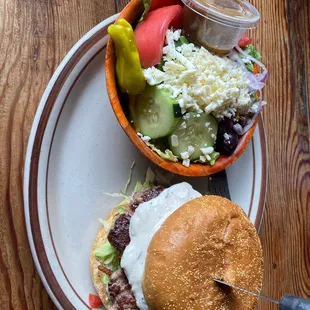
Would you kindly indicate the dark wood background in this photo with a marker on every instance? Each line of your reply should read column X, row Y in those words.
column 36, row 34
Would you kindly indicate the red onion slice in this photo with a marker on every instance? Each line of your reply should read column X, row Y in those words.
column 255, row 82
column 238, row 128
column 261, row 77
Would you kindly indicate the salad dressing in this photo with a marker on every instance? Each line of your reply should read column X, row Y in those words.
column 228, row 7
column 218, row 24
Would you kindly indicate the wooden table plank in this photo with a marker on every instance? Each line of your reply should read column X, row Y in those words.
column 285, row 230
column 36, row 35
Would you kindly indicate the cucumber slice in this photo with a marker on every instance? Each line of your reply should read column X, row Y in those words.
column 198, row 132
column 153, row 113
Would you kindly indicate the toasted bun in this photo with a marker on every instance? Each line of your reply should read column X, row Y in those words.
column 96, row 274
column 208, row 237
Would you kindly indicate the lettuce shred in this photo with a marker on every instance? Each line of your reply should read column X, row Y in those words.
column 249, row 65
column 148, row 183
column 147, row 5
column 129, row 177
column 116, row 195
column 214, row 155
column 105, row 225
column 167, row 154
column 105, row 279
column 120, row 210
column 252, row 51
column 107, row 255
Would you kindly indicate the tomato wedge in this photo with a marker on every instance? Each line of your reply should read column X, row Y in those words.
column 94, row 301
column 155, row 4
column 245, row 40
column 150, row 33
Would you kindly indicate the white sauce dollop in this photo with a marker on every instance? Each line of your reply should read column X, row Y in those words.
column 144, row 223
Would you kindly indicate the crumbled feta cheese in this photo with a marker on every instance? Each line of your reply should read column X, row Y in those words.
column 226, row 136
column 153, row 76
column 171, row 65
column 213, row 136
column 186, row 162
column 201, row 81
column 253, row 108
column 208, row 157
column 184, row 155
column 146, row 138
column 183, row 125
column 190, row 150
column 184, row 61
column 207, row 124
column 202, row 158
column 207, row 150
column 174, row 140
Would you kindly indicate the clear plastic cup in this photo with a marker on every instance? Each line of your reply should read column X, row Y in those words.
column 218, row 25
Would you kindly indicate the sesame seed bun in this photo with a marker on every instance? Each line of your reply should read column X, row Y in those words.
column 208, row 237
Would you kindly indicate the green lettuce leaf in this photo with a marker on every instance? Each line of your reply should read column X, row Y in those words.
column 252, row 51
column 254, row 97
column 181, row 41
column 138, row 187
column 148, row 183
column 105, row 279
column 249, row 65
column 120, row 210
column 167, row 154
column 105, row 225
column 214, row 155
column 129, row 178
column 147, row 5
column 107, row 255
column 160, row 65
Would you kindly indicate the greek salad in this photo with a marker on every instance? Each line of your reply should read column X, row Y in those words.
column 186, row 103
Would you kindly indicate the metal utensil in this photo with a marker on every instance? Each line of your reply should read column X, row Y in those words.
column 218, row 185
column 287, row 302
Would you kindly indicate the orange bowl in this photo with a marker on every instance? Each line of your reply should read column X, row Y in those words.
column 131, row 13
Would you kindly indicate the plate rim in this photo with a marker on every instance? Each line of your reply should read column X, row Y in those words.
column 35, row 144
column 36, row 137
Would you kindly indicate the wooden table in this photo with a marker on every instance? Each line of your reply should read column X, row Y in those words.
column 37, row 34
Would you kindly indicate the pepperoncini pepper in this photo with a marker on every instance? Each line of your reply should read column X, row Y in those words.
column 128, row 69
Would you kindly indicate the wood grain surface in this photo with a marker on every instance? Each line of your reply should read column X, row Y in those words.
column 36, row 34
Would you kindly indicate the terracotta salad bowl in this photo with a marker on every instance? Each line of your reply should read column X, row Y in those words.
column 120, row 104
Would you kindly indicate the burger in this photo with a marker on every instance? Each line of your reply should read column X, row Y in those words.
column 163, row 249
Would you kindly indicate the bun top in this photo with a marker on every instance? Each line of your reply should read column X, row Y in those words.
column 207, row 238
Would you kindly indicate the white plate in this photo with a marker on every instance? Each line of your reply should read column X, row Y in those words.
column 76, row 152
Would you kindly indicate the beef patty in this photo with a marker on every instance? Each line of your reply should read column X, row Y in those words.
column 118, row 287
column 119, row 234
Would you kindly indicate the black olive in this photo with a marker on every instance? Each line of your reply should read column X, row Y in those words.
column 226, row 123
column 242, row 121
column 227, row 141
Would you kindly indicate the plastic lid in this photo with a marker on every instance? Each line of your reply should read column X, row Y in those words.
column 234, row 13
